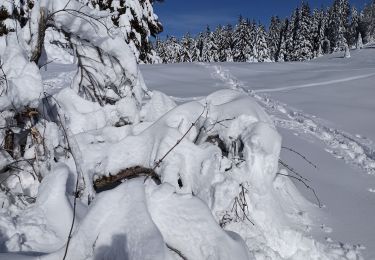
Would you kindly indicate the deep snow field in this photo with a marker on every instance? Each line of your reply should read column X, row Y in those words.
column 214, row 134
column 323, row 109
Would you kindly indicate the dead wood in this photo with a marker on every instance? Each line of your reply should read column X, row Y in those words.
column 107, row 182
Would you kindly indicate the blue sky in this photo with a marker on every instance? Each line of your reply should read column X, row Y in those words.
column 180, row 16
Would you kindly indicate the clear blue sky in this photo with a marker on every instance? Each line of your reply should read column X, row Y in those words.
column 180, row 16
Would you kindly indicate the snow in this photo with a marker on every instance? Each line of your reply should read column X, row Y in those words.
column 324, row 110
column 23, row 85
column 211, row 134
column 197, row 210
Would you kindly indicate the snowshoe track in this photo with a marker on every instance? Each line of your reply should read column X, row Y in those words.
column 354, row 150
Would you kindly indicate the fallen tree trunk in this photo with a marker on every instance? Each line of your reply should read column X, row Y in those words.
column 109, row 182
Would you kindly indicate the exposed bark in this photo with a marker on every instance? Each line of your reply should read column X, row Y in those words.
column 107, row 182
column 37, row 52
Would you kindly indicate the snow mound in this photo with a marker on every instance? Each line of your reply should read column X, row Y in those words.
column 220, row 197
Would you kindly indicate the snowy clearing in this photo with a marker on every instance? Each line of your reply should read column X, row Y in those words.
column 324, row 110
column 205, row 161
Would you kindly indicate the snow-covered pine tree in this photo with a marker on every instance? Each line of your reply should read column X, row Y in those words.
column 303, row 49
column 367, row 25
column 222, row 39
column 242, row 41
column 281, row 55
column 319, row 25
column 227, row 45
column 347, row 50
column 338, row 23
column 262, row 52
column 353, row 30
column 137, row 22
column 199, row 46
column 359, row 44
column 210, row 50
column 160, row 48
column 173, row 50
column 291, row 30
column 274, row 37
column 14, row 10
column 187, row 48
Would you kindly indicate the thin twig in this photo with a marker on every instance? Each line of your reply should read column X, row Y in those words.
column 304, row 183
column 73, row 220
column 301, row 155
column 292, row 170
column 157, row 164
column 178, row 252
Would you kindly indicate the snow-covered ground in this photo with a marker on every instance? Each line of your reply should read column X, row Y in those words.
column 325, row 110
column 220, row 190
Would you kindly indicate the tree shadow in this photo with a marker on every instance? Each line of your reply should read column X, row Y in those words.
column 117, row 250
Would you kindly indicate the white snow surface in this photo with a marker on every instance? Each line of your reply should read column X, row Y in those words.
column 323, row 109
column 217, row 155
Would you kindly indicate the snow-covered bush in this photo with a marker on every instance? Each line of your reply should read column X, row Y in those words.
column 214, row 191
column 107, row 74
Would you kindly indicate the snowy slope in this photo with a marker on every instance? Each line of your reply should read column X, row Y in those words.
column 324, row 109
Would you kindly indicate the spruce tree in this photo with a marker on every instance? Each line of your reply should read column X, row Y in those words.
column 262, row 52
column 367, row 24
column 187, row 48
column 210, row 50
column 303, row 49
column 291, row 35
column 242, row 43
column 274, row 38
column 359, row 44
column 338, row 23
column 137, row 22
column 319, row 25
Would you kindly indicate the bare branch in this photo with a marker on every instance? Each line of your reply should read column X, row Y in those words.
column 128, row 173
column 306, row 185
column 292, row 170
column 301, row 155
column 157, row 164
column 178, row 252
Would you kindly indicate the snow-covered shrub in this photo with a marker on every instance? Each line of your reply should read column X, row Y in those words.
column 33, row 120
column 218, row 194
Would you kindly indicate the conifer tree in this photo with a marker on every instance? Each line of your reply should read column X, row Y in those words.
column 359, row 44
column 274, row 38
column 291, row 35
column 367, row 24
column 187, row 48
column 137, row 22
column 303, row 49
column 338, row 23
column 261, row 47
column 210, row 50
column 242, row 43
column 319, row 26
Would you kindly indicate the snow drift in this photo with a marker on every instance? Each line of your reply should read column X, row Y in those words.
column 219, row 194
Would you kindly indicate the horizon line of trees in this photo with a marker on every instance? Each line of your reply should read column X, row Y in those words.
column 304, row 35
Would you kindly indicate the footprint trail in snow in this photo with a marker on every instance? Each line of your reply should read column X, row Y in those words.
column 353, row 149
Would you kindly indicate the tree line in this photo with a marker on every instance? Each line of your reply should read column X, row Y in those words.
column 304, row 35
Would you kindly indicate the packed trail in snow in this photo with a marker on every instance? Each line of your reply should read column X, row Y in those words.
column 355, row 150
column 324, row 112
